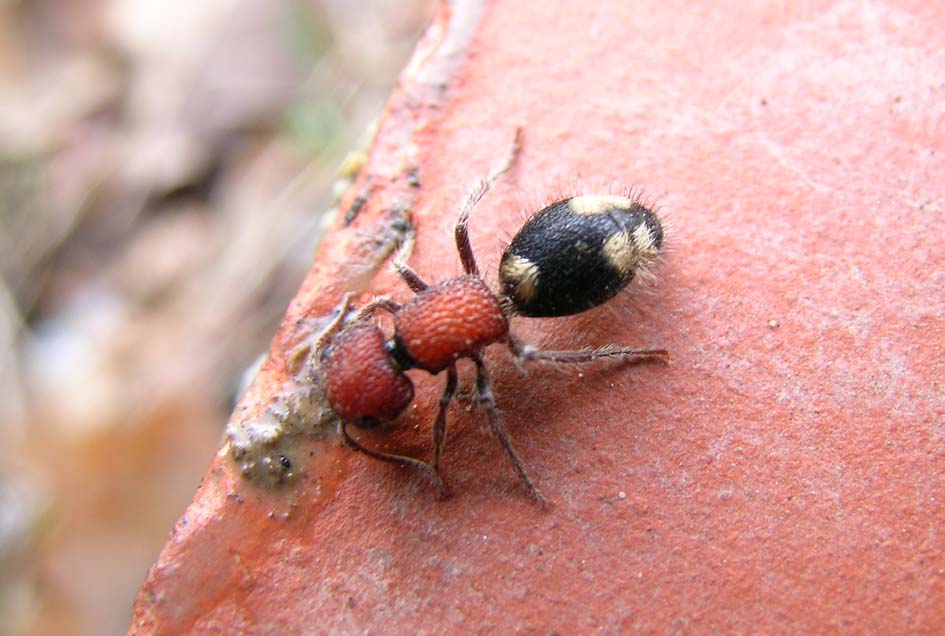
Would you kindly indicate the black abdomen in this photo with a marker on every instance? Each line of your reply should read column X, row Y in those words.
column 578, row 253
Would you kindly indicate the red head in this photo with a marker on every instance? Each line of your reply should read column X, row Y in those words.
column 361, row 378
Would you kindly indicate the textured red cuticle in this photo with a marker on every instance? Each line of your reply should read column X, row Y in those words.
column 361, row 379
column 451, row 319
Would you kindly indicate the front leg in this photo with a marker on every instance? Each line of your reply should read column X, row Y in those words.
column 316, row 342
column 400, row 460
column 380, row 303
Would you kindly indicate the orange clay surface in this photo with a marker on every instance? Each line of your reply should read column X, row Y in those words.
column 786, row 472
column 450, row 319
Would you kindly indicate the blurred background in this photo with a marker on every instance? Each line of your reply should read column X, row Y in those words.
column 165, row 169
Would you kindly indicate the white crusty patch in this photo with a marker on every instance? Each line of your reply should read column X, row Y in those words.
column 262, row 445
column 591, row 204
column 523, row 275
column 259, row 444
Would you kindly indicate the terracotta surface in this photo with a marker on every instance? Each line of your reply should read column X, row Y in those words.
column 786, row 474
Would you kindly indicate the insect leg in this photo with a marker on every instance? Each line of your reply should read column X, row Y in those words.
column 461, row 232
column 439, row 427
column 486, row 398
column 400, row 460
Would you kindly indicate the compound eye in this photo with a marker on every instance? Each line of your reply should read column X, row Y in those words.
column 362, row 381
column 367, row 422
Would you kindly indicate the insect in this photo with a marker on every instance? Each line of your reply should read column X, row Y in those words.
column 571, row 256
